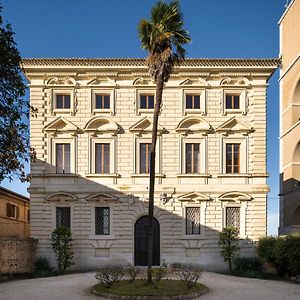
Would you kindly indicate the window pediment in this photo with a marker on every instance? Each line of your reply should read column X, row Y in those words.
column 234, row 125
column 61, row 196
column 145, row 126
column 235, row 196
column 100, row 124
column 194, row 82
column 193, row 125
column 101, row 197
column 69, row 81
column 194, row 196
column 61, row 125
column 235, row 81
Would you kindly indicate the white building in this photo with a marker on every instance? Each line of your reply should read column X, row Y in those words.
column 92, row 138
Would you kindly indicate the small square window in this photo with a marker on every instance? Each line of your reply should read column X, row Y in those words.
column 63, row 101
column 63, row 217
column 12, row 211
column 102, row 101
column 102, row 221
column 232, row 158
column 232, row 101
column 192, row 101
column 233, row 217
column 146, row 101
column 192, row 220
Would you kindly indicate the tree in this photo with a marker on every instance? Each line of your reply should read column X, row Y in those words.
column 163, row 37
column 229, row 242
column 14, row 110
column 62, row 247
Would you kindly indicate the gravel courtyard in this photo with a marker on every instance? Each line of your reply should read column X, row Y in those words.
column 76, row 286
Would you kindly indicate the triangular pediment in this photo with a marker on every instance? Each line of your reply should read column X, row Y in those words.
column 100, row 124
column 195, row 82
column 145, row 125
column 193, row 197
column 101, row 197
column 234, row 125
column 193, row 124
column 235, row 196
column 61, row 125
column 94, row 81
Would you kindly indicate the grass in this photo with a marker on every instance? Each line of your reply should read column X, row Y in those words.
column 141, row 288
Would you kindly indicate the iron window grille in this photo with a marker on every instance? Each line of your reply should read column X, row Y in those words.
column 63, row 217
column 102, row 221
column 192, row 220
column 233, row 217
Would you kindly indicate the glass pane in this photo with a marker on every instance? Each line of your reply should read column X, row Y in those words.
column 236, row 102
column 59, row 101
column 59, row 158
column 106, row 101
column 102, row 221
column 189, row 101
column 63, row 217
column 98, row 158
column 67, row 102
column 143, row 101
column 228, row 102
column 196, row 159
column 106, row 158
column 67, row 158
column 102, row 158
column 144, row 158
column 188, row 158
column 196, row 101
column 150, row 101
column 98, row 102
column 228, row 158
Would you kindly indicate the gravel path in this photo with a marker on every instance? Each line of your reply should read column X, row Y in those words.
column 76, row 286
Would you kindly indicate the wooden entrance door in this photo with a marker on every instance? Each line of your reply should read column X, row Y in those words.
column 141, row 243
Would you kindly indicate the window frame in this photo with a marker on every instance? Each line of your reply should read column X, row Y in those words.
column 138, row 94
column 186, row 209
column 194, row 91
column 16, row 211
column 63, row 154
column 109, row 217
column 242, row 101
column 53, row 213
column 232, row 166
column 57, row 92
column 102, row 91
column 60, row 207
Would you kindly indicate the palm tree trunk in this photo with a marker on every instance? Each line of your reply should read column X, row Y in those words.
column 158, row 99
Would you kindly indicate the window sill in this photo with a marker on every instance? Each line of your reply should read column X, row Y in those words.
column 147, row 175
column 233, row 111
column 193, row 237
column 113, row 175
column 234, row 175
column 145, row 110
column 203, row 175
column 101, row 237
column 102, row 111
column 193, row 111
column 62, row 110
column 61, row 174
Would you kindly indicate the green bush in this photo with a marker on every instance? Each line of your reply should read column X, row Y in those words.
column 158, row 274
column 187, row 273
column 62, row 247
column 132, row 272
column 247, row 267
column 41, row 267
column 265, row 248
column 107, row 275
column 229, row 242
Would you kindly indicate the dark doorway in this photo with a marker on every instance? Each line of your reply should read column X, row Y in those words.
column 141, row 244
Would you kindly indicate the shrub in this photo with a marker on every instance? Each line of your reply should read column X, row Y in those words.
column 292, row 247
column 187, row 273
column 266, row 247
column 62, row 247
column 42, row 267
column 158, row 274
column 132, row 273
column 228, row 240
column 247, row 267
column 107, row 275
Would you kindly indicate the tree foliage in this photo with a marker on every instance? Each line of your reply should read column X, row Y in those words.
column 14, row 110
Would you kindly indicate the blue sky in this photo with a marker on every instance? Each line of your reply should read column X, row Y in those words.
column 98, row 28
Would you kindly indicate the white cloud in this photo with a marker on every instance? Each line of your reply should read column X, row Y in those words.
column 273, row 223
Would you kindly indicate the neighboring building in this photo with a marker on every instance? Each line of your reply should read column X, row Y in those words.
column 92, row 137
column 14, row 215
column 290, row 119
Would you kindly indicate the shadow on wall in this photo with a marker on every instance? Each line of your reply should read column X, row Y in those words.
column 108, row 225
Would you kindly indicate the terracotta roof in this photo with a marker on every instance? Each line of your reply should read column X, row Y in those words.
column 140, row 62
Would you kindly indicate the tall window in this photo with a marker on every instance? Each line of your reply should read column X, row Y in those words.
column 102, row 101
column 63, row 101
column 192, row 220
column 146, row 101
column 102, row 157
column 232, row 101
column 192, row 158
column 102, row 220
column 63, row 158
column 233, row 217
column 145, row 149
column 12, row 211
column 192, row 101
column 63, row 217
column 232, row 158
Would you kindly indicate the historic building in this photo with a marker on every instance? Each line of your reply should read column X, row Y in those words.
column 92, row 138
column 290, row 119
column 14, row 215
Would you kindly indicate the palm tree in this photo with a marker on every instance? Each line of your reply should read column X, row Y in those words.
column 163, row 37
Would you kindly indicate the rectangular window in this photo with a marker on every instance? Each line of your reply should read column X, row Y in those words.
column 63, row 217
column 192, row 101
column 102, row 158
column 63, row 101
column 63, row 158
column 102, row 101
column 232, row 158
column 192, row 219
column 232, row 101
column 146, row 101
column 233, row 217
column 102, row 220
column 192, row 158
column 145, row 158
column 12, row 211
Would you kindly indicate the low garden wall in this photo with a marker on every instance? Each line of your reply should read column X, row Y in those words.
column 17, row 255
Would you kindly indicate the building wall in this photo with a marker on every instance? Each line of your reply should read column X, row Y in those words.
column 290, row 116
column 125, row 191
column 14, row 226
